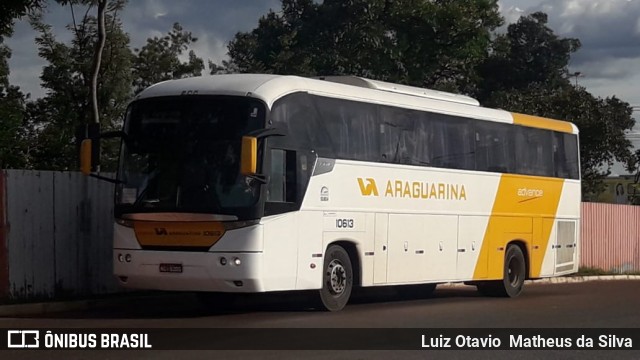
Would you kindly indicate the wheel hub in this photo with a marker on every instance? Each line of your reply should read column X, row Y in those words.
column 513, row 273
column 337, row 277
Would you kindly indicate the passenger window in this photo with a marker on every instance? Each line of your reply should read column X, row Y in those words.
column 452, row 143
column 397, row 136
column 534, row 152
column 493, row 147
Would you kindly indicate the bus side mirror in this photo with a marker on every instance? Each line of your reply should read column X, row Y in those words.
column 85, row 156
column 88, row 139
column 249, row 156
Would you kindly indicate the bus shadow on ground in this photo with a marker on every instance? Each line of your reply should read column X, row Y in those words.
column 190, row 305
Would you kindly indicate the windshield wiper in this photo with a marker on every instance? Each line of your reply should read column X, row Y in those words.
column 154, row 174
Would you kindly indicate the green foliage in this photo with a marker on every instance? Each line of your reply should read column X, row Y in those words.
column 425, row 43
column 595, row 271
column 41, row 134
column 12, row 151
column 159, row 59
column 537, row 82
column 591, row 271
column 14, row 9
column 12, row 144
column 66, row 77
column 532, row 53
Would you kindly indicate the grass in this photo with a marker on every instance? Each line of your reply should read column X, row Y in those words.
column 592, row 271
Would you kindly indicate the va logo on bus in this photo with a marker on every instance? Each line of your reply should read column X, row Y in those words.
column 369, row 189
column 161, row 231
column 414, row 189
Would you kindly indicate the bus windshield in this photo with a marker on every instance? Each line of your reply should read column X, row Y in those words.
column 182, row 153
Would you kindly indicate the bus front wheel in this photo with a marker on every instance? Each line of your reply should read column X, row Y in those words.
column 513, row 276
column 337, row 279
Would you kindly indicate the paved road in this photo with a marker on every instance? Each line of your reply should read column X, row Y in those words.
column 614, row 304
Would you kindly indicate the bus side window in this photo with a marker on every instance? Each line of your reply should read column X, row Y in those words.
column 282, row 176
column 560, row 168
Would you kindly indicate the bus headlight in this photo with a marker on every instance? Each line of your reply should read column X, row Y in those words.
column 124, row 222
column 120, row 258
column 236, row 261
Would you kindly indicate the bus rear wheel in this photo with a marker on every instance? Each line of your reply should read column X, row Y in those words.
column 337, row 279
column 513, row 278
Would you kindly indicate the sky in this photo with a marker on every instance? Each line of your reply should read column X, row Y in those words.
column 609, row 30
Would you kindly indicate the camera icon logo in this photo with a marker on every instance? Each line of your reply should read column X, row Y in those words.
column 21, row 339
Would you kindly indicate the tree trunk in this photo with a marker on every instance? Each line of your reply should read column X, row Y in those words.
column 97, row 59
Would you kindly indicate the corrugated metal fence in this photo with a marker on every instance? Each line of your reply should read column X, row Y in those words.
column 610, row 237
column 56, row 235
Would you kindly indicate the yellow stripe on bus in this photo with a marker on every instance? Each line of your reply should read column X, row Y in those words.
column 542, row 123
column 178, row 233
column 524, row 210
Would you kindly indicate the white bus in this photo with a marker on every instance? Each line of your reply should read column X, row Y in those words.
column 261, row 183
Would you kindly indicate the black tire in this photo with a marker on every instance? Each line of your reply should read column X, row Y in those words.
column 337, row 279
column 416, row 291
column 514, row 274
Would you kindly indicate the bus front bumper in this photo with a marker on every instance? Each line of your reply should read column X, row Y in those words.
column 188, row 271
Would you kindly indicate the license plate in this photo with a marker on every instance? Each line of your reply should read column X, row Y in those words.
column 171, row 268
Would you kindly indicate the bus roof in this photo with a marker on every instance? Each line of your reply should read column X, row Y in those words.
column 270, row 88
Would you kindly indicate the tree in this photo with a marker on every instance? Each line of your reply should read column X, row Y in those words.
column 159, row 59
column 68, row 77
column 13, row 147
column 529, row 53
column 88, row 80
column 14, row 9
column 97, row 60
column 425, row 43
column 527, row 72
column 12, row 101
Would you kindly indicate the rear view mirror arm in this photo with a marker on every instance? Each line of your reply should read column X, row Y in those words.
column 263, row 133
column 107, row 179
